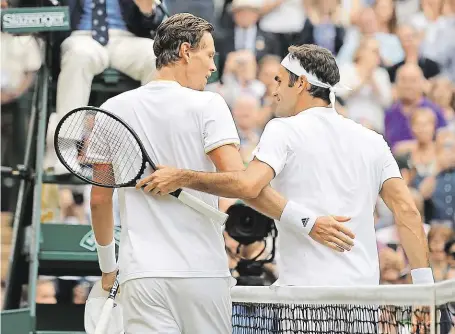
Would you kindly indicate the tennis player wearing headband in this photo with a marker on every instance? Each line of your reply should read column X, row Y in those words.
column 325, row 163
column 173, row 268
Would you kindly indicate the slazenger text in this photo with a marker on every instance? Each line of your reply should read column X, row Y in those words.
column 33, row 20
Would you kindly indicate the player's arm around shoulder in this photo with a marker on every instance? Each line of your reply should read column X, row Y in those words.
column 234, row 180
column 399, row 200
column 252, row 185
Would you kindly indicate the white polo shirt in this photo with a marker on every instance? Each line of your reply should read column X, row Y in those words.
column 161, row 237
column 332, row 166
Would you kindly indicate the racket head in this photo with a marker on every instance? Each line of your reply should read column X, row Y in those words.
column 100, row 148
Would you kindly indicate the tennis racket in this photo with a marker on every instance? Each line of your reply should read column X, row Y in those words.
column 100, row 148
column 103, row 321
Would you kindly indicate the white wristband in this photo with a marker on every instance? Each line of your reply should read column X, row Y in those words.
column 106, row 257
column 298, row 217
column 422, row 276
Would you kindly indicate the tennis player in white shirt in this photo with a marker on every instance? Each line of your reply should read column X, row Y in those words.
column 326, row 163
column 173, row 269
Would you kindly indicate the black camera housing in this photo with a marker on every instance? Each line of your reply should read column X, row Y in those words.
column 246, row 225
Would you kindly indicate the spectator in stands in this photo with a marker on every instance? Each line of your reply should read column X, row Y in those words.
column 450, row 253
column 386, row 15
column 45, row 292
column 200, row 8
column 323, row 26
column 442, row 52
column 80, row 292
column 387, row 24
column 406, row 9
column 239, row 77
column 389, row 44
column 428, row 15
column 245, row 33
column 410, row 41
column 442, row 92
column 410, row 91
column 438, row 236
column 391, row 266
column 438, row 188
column 72, row 211
column 283, row 18
column 105, row 33
column 245, row 112
column 371, row 91
column 423, row 151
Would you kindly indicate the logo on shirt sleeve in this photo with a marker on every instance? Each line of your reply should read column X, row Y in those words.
column 305, row 221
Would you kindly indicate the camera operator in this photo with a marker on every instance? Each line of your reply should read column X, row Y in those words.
column 255, row 250
column 250, row 246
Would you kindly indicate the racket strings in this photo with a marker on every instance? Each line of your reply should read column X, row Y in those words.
column 97, row 147
column 106, row 150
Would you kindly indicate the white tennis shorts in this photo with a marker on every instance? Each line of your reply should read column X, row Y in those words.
column 177, row 305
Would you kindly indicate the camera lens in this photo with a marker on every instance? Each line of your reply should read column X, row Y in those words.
column 246, row 225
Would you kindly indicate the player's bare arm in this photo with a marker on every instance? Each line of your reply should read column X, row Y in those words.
column 399, row 200
column 250, row 184
column 103, row 227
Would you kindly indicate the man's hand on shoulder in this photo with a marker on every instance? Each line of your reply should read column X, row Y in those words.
column 163, row 181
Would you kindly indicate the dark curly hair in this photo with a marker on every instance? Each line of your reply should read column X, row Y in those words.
column 321, row 63
column 174, row 31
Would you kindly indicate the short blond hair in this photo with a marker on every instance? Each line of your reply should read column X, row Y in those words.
column 423, row 112
column 441, row 230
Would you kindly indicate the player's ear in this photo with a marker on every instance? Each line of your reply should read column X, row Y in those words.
column 184, row 51
column 301, row 83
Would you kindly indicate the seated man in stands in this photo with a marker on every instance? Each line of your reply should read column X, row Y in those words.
column 244, row 33
column 410, row 90
column 410, row 41
column 105, row 33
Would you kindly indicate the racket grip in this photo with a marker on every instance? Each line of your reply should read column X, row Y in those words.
column 202, row 207
column 101, row 326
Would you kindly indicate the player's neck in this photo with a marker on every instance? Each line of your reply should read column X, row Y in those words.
column 304, row 104
column 171, row 74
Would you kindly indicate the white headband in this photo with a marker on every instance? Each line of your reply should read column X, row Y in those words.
column 293, row 65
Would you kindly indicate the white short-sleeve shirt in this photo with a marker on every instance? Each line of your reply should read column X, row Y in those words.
column 161, row 237
column 332, row 166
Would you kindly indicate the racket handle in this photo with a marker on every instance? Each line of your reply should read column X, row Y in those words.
column 202, row 207
column 101, row 326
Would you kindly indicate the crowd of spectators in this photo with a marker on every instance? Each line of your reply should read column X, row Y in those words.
column 397, row 56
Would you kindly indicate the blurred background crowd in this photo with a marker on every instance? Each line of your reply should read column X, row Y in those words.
column 397, row 56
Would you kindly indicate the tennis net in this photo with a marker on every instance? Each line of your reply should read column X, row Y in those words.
column 390, row 309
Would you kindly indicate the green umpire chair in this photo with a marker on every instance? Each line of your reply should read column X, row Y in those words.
column 38, row 248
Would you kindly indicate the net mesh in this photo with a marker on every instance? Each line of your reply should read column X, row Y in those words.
column 381, row 310
column 97, row 147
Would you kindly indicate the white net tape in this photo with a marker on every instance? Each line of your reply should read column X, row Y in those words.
column 383, row 309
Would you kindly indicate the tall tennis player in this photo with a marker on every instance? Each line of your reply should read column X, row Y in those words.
column 173, row 269
column 326, row 163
